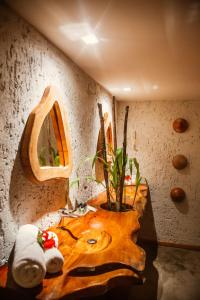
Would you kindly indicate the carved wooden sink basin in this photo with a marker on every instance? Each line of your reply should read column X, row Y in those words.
column 99, row 240
column 99, row 250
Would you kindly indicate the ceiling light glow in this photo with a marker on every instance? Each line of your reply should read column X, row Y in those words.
column 90, row 39
column 127, row 89
column 74, row 31
column 155, row 87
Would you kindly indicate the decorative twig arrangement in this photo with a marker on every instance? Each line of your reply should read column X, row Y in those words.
column 124, row 157
column 114, row 170
column 117, row 193
column 114, row 125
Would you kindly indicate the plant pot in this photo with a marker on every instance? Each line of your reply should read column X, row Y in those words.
column 124, row 208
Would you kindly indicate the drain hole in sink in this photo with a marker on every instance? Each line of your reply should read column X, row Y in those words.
column 91, row 241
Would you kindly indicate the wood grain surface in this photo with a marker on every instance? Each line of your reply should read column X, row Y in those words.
column 112, row 260
column 29, row 155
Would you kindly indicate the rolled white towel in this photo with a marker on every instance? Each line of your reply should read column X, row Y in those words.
column 53, row 257
column 53, row 260
column 28, row 268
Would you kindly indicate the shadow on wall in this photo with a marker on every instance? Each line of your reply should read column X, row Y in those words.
column 183, row 206
column 28, row 201
column 149, row 290
column 148, row 228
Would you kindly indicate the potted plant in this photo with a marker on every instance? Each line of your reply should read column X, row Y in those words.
column 115, row 170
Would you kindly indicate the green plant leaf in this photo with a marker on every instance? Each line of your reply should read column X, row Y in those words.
column 76, row 181
column 138, row 178
column 136, row 165
column 42, row 160
column 53, row 151
column 104, row 162
column 131, row 166
column 94, row 160
column 113, row 177
column 90, row 178
column 57, row 161
column 119, row 158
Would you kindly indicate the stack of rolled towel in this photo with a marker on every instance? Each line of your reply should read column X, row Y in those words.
column 35, row 253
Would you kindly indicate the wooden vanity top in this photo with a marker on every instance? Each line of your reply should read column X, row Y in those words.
column 99, row 250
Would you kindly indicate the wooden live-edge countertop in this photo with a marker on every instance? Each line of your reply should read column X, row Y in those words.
column 91, row 269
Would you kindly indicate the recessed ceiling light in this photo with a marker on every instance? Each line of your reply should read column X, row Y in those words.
column 90, row 39
column 127, row 89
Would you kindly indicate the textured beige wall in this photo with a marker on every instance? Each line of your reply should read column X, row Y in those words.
column 156, row 144
column 28, row 63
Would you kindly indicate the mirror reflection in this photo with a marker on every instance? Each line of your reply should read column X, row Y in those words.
column 49, row 147
column 99, row 172
column 109, row 140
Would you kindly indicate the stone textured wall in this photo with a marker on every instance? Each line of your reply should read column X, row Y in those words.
column 29, row 63
column 155, row 145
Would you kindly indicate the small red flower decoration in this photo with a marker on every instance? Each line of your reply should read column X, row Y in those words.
column 47, row 240
column 45, row 234
column 49, row 244
column 127, row 177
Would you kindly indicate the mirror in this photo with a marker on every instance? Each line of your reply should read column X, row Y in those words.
column 45, row 151
column 49, row 147
column 109, row 145
column 109, row 140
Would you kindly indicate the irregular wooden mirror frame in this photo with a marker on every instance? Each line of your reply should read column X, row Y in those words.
column 29, row 156
column 109, row 144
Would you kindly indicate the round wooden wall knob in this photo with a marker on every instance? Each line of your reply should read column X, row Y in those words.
column 180, row 125
column 179, row 162
column 177, row 194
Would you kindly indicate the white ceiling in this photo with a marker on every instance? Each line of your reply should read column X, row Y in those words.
column 153, row 47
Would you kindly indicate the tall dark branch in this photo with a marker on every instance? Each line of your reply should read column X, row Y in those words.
column 124, row 155
column 115, row 149
column 114, row 125
column 104, row 154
